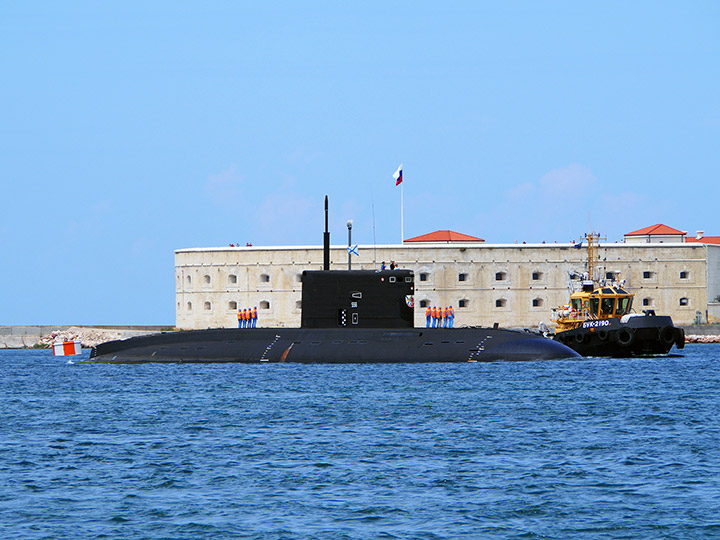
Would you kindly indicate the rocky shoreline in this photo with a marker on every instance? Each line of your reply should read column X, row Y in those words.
column 699, row 338
column 40, row 337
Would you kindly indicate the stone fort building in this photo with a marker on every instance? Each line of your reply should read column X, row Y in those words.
column 514, row 285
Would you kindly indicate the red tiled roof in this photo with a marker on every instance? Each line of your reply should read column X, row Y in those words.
column 658, row 229
column 705, row 240
column 444, row 236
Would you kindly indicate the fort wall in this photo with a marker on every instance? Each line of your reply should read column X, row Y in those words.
column 514, row 285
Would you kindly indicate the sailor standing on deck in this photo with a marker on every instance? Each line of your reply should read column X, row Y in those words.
column 254, row 317
column 445, row 317
column 428, row 312
column 451, row 316
column 240, row 319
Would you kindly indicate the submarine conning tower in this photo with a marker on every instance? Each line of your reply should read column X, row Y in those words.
column 358, row 299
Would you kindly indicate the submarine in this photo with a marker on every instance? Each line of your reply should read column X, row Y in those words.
column 348, row 316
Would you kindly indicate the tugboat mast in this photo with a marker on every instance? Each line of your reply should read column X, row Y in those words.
column 592, row 240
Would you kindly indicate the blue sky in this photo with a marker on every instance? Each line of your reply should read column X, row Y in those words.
column 131, row 129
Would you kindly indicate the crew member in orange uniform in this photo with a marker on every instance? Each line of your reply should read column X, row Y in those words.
column 428, row 312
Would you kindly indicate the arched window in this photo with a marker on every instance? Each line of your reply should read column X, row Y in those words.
column 206, row 279
column 684, row 301
column 423, row 276
column 684, row 274
column 423, row 303
column 207, row 306
column 647, row 302
column 463, row 303
column 189, row 280
column 500, row 276
column 462, row 277
column 537, row 275
column 232, row 305
column 264, row 304
column 264, row 278
column 298, row 304
column 189, row 306
column 537, row 302
column 500, row 302
column 232, row 279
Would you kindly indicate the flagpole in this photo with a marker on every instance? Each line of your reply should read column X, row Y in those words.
column 402, row 192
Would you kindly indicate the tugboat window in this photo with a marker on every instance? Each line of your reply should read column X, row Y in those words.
column 623, row 305
column 608, row 304
column 594, row 306
column 684, row 301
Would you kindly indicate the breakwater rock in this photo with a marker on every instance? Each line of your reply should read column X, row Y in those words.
column 701, row 338
column 22, row 337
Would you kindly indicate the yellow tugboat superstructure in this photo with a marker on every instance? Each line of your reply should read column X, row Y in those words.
column 592, row 298
column 598, row 320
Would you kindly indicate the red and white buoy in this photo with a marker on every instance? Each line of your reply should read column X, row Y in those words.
column 66, row 348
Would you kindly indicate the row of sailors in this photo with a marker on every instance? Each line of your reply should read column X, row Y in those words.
column 440, row 317
column 247, row 318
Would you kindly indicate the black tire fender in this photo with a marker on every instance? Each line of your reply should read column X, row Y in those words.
column 667, row 335
column 625, row 336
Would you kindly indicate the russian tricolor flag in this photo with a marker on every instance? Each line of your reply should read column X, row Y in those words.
column 398, row 175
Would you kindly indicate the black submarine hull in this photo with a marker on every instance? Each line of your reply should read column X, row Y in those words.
column 332, row 345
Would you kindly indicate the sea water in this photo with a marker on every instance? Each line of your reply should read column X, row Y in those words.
column 592, row 448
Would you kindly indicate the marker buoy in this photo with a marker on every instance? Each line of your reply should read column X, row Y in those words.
column 66, row 348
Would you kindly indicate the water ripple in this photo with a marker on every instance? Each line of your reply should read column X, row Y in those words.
column 602, row 448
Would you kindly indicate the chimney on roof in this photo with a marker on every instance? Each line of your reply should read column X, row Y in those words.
column 700, row 234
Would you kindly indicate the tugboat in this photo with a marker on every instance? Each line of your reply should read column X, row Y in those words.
column 599, row 320
column 348, row 316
